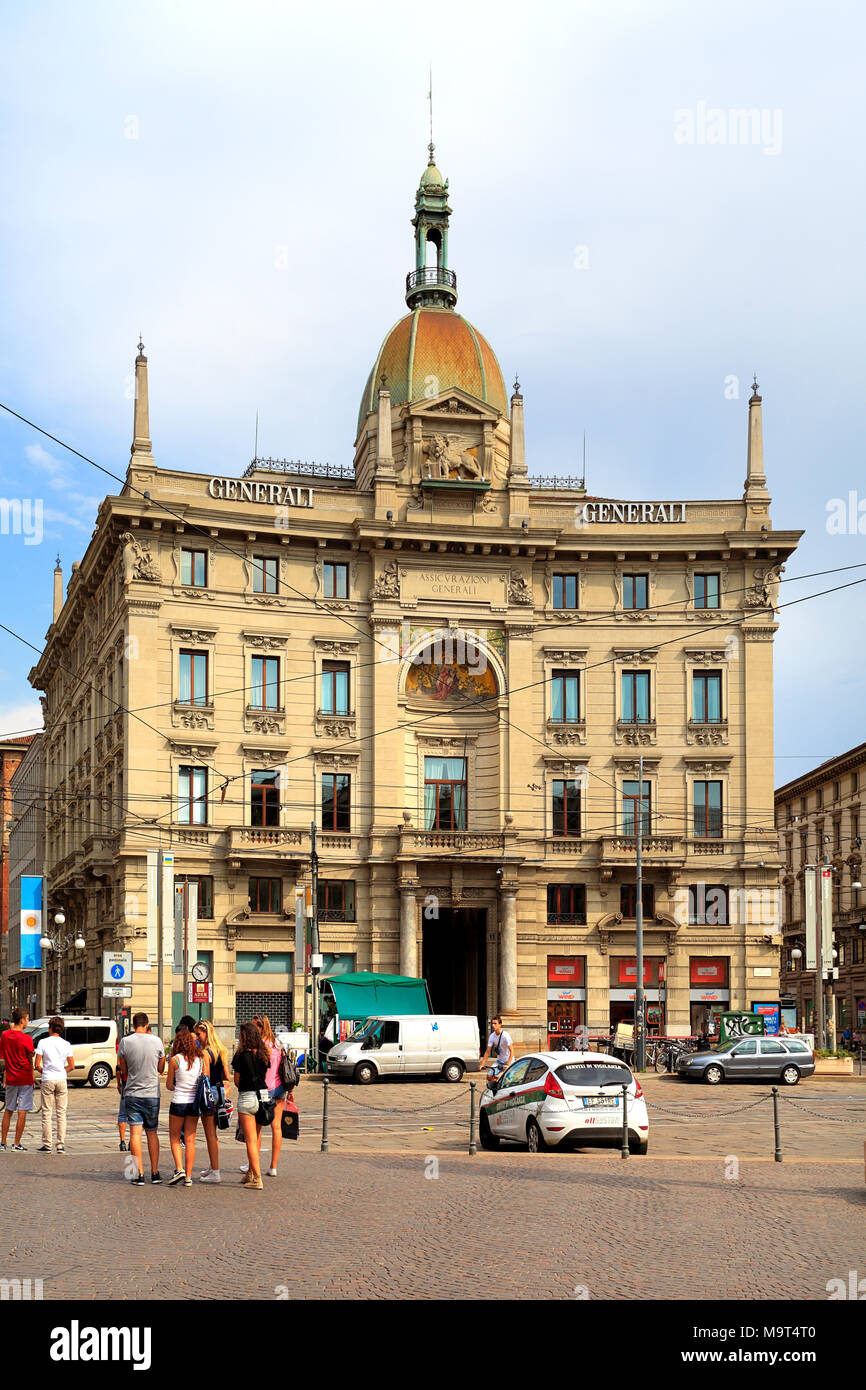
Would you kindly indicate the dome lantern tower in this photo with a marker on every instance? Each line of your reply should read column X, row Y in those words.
column 431, row 285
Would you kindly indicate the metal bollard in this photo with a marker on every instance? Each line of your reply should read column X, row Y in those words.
column 861, row 1060
column 473, row 1147
column 324, row 1148
column 778, row 1153
column 624, row 1150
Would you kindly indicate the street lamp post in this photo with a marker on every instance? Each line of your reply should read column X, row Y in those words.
column 60, row 944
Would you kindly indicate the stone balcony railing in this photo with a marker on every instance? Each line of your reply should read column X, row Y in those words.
column 451, row 842
column 655, row 849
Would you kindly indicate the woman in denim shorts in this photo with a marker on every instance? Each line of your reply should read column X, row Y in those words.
column 250, row 1066
column 185, row 1067
column 276, row 1091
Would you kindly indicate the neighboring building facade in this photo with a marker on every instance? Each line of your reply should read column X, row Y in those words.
column 819, row 822
column 450, row 667
column 26, row 857
column 12, row 750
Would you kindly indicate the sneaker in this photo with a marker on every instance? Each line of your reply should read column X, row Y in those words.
column 44, row 1149
column 244, row 1168
column 272, row 1172
column 3, row 1148
column 122, row 1146
column 176, row 1177
column 246, row 1180
column 187, row 1182
column 19, row 1149
column 212, row 1175
column 61, row 1148
column 137, row 1182
column 254, row 1185
column 155, row 1178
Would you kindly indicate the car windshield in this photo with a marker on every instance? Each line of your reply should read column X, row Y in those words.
column 36, row 1033
column 727, row 1046
column 364, row 1030
column 593, row 1073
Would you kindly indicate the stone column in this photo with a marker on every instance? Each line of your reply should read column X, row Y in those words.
column 408, row 931
column 508, row 949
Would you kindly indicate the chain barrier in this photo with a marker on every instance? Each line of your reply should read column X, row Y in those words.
column 387, row 1110
column 703, row 1115
column 836, row 1119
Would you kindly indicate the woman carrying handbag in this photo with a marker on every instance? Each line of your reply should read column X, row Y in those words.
column 250, row 1066
column 219, row 1083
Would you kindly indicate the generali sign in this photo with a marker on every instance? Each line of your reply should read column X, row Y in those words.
column 245, row 490
column 635, row 512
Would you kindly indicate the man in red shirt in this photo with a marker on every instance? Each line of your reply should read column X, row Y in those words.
column 16, row 1056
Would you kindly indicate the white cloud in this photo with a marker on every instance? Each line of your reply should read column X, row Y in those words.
column 59, row 474
column 20, row 717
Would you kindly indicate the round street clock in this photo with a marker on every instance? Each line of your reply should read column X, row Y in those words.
column 200, row 972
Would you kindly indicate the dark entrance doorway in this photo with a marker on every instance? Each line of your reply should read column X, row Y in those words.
column 454, row 962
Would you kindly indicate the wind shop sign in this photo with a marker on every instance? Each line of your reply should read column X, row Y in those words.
column 274, row 494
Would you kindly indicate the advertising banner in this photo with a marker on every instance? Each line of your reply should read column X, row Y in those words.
column 811, row 918
column 708, row 972
column 770, row 1013
column 827, row 919
column 565, row 970
column 31, row 922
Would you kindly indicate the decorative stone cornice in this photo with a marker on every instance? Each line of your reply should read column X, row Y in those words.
column 328, row 647
column 265, row 641
column 193, row 634
column 564, row 656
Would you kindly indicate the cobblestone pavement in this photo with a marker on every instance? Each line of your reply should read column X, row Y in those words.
column 367, row 1226
column 821, row 1120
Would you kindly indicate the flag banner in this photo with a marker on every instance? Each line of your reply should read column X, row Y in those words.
column 31, row 922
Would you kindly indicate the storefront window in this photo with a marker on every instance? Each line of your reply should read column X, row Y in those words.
column 566, row 998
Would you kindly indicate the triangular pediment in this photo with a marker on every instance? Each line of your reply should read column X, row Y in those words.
column 450, row 405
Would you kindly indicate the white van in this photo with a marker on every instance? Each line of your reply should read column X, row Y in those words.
column 443, row 1045
column 94, row 1046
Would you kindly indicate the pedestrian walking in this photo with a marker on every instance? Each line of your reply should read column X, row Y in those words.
column 54, row 1061
column 499, row 1046
column 277, row 1092
column 16, row 1055
column 250, row 1066
column 186, row 1066
column 218, row 1075
column 141, row 1062
column 122, row 1117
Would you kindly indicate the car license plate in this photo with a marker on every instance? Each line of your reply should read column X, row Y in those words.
column 600, row 1102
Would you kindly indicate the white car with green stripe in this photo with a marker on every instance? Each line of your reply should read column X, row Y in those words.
column 552, row 1100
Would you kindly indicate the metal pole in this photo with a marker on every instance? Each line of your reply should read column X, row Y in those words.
column 819, row 972
column 639, row 1006
column 160, row 969
column 778, row 1154
column 624, row 1149
column 324, row 1148
column 314, row 945
column 473, row 1147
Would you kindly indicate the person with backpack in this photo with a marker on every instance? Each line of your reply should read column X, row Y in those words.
column 218, row 1076
column 277, row 1089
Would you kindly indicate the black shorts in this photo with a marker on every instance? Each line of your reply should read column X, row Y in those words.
column 187, row 1110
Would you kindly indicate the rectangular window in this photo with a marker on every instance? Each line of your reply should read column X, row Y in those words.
column 707, row 697
column 192, row 678
column 444, row 793
column 565, row 697
column 266, row 894
column 820, row 800
column 707, row 589
column 335, row 687
column 265, row 691
column 855, row 781
column 264, row 798
column 634, row 590
column 565, row 591
column 265, row 579
column 631, row 793
column 835, row 791
column 336, row 804
column 193, row 568
column 205, row 892
column 708, row 810
column 566, row 903
column 192, row 796
column 336, row 580
column 336, row 901
column 636, row 697
column 837, row 834
column 628, row 900
column 708, row 905
column 566, row 807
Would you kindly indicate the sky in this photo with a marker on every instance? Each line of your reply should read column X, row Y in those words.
column 235, row 182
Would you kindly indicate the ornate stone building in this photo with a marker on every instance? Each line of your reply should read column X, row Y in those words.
column 451, row 667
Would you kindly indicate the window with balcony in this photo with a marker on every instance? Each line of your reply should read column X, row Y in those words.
column 632, row 794
column 707, row 804
column 335, row 687
column 565, row 697
column 566, row 807
column 336, row 801
column 635, row 589
column 265, row 688
column 636, row 697
column 335, row 580
column 265, row 575
column 565, row 591
column 192, row 796
column 266, row 894
column 708, row 905
column 264, row 798
column 707, row 697
column 707, row 590
column 193, row 568
column 336, row 900
column 444, row 793
column 566, row 903
column 628, row 900
column 192, row 678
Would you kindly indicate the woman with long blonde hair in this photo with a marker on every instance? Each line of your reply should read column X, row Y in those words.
column 211, row 1044
column 277, row 1092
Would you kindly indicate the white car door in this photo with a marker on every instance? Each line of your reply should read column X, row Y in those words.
column 509, row 1120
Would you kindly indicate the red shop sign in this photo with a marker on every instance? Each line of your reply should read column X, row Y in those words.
column 652, row 970
column 708, row 972
column 565, row 970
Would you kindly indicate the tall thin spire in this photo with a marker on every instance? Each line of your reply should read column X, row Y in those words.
column 141, row 445
column 431, row 147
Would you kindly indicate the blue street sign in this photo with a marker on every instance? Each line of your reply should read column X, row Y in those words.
column 117, row 972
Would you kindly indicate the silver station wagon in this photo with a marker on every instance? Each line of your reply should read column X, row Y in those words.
column 750, row 1059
